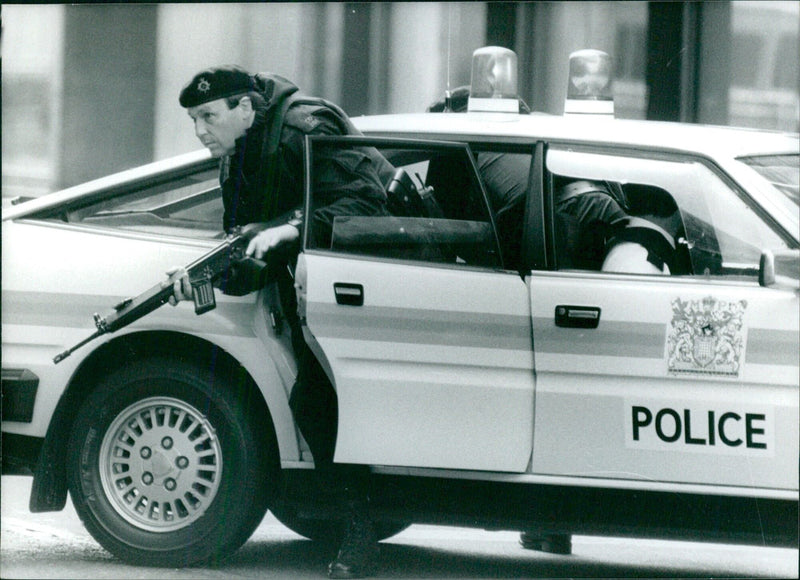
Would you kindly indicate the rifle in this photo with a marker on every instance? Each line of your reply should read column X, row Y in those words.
column 226, row 263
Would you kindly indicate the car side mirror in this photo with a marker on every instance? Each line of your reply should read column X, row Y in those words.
column 780, row 269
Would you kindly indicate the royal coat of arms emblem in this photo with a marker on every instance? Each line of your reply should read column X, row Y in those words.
column 705, row 336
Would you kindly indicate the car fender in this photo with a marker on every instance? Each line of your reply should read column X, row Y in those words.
column 269, row 375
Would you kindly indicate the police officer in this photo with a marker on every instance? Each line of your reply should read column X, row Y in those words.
column 255, row 125
column 647, row 244
column 505, row 176
column 588, row 214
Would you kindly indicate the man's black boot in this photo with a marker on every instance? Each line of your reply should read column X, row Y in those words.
column 359, row 550
column 550, row 543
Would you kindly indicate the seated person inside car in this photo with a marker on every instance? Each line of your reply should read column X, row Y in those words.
column 647, row 244
column 505, row 176
column 588, row 214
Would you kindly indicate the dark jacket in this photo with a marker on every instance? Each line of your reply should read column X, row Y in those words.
column 257, row 187
column 588, row 215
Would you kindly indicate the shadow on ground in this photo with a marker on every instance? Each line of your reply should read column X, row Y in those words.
column 298, row 558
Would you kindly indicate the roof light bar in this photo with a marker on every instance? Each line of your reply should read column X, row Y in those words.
column 589, row 86
column 494, row 81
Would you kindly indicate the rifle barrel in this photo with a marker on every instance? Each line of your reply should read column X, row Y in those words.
column 59, row 357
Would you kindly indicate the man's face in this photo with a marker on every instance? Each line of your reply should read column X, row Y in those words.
column 218, row 127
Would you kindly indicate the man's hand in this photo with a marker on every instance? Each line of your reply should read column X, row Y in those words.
column 271, row 238
column 181, row 287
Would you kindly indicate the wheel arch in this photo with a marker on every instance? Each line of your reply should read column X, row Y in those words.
column 49, row 489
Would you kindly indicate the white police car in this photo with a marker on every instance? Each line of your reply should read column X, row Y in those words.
column 488, row 378
column 639, row 401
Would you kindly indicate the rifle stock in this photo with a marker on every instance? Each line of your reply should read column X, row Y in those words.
column 202, row 272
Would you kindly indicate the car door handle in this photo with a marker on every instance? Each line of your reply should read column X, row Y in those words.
column 349, row 294
column 577, row 316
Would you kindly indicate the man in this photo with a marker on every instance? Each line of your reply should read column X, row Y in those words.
column 255, row 125
column 647, row 244
column 588, row 214
column 505, row 176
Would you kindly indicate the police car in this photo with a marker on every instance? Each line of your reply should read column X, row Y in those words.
column 487, row 378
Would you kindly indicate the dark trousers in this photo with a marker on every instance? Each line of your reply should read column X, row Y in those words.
column 315, row 408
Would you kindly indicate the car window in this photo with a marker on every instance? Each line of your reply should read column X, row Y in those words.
column 186, row 204
column 436, row 208
column 782, row 171
column 506, row 178
column 717, row 233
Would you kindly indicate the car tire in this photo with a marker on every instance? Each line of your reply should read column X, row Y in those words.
column 168, row 464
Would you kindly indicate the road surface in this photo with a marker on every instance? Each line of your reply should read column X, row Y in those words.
column 55, row 545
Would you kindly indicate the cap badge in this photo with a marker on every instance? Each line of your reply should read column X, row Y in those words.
column 203, row 86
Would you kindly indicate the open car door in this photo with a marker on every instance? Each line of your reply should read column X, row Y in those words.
column 426, row 338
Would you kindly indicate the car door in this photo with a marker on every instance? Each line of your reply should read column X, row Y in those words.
column 426, row 338
column 691, row 377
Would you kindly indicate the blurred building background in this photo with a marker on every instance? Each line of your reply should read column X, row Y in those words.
column 88, row 89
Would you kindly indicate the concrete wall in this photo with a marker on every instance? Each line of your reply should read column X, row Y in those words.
column 90, row 89
column 429, row 42
column 33, row 52
column 265, row 37
column 109, row 90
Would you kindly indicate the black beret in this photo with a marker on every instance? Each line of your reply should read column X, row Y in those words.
column 216, row 83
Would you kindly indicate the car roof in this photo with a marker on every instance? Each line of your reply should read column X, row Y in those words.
column 710, row 141
column 720, row 143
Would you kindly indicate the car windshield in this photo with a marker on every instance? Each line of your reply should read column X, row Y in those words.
column 782, row 171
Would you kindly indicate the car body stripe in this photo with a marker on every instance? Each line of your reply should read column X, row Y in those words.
column 400, row 325
column 772, row 347
column 51, row 309
column 622, row 339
